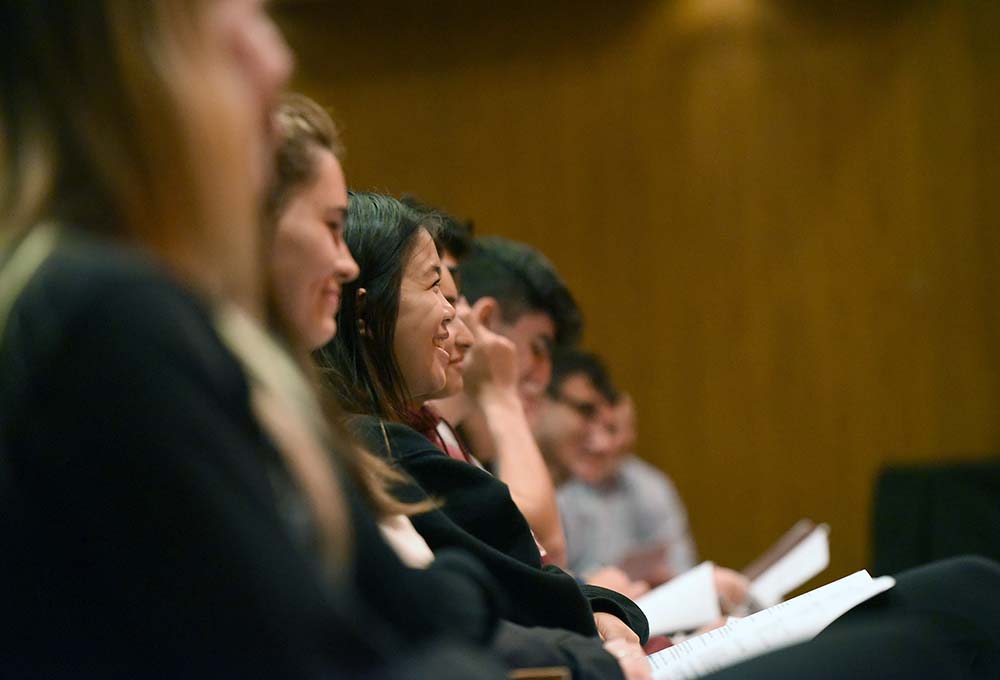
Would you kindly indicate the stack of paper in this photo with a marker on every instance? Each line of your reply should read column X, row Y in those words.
column 684, row 602
column 797, row 620
column 689, row 601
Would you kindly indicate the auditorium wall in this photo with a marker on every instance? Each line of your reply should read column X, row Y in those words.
column 780, row 218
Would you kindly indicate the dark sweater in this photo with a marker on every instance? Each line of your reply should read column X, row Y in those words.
column 139, row 528
column 479, row 516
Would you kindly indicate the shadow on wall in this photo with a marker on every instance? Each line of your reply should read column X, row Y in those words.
column 443, row 35
column 379, row 38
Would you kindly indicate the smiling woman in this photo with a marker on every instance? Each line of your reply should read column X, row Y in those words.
column 307, row 207
column 422, row 324
column 393, row 322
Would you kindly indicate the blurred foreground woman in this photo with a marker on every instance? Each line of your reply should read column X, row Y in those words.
column 168, row 507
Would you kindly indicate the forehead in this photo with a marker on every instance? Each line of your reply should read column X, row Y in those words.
column 448, row 286
column 424, row 257
column 329, row 185
column 448, row 260
column 578, row 388
column 532, row 325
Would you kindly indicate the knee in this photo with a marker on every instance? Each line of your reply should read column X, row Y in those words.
column 952, row 584
column 972, row 569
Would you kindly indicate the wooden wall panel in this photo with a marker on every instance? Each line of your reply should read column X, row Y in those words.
column 780, row 218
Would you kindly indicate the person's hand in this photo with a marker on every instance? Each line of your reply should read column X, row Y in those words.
column 492, row 360
column 617, row 580
column 733, row 589
column 631, row 659
column 610, row 627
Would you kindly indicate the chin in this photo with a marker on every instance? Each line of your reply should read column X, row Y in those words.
column 454, row 383
column 322, row 335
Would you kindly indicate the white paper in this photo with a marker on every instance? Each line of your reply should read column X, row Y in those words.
column 788, row 623
column 684, row 602
column 808, row 558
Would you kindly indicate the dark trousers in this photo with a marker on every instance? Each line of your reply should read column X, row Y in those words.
column 940, row 621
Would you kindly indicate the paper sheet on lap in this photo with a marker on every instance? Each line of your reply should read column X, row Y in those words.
column 785, row 624
column 690, row 601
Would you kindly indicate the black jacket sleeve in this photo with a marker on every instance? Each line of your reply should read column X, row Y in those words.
column 585, row 657
column 455, row 597
column 479, row 516
column 613, row 602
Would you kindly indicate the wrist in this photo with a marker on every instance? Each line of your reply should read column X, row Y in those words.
column 503, row 398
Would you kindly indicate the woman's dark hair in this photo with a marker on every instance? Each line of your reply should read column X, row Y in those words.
column 359, row 363
column 454, row 235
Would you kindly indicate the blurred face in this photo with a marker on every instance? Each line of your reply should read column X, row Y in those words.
column 459, row 336
column 533, row 334
column 310, row 260
column 422, row 324
column 595, row 458
column 255, row 54
column 623, row 415
column 560, row 431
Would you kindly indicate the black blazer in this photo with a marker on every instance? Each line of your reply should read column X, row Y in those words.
column 478, row 515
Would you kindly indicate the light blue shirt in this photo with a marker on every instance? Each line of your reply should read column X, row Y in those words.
column 639, row 507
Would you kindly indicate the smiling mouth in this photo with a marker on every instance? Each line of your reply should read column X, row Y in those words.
column 439, row 347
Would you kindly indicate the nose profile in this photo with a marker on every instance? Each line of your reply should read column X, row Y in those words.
column 449, row 312
column 346, row 269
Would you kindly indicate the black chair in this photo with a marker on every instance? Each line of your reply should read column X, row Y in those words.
column 929, row 512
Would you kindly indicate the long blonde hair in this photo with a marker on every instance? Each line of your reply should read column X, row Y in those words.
column 118, row 116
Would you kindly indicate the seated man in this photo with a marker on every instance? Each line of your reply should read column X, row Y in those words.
column 612, row 504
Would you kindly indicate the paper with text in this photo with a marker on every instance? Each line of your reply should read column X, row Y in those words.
column 798, row 620
column 801, row 563
column 684, row 602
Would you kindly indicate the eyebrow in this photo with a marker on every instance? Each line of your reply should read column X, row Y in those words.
column 434, row 269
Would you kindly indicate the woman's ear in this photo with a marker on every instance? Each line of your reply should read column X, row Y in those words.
column 487, row 312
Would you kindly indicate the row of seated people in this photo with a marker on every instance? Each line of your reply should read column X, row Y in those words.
column 610, row 503
column 227, row 385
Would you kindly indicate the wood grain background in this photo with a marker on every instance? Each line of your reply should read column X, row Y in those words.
column 779, row 217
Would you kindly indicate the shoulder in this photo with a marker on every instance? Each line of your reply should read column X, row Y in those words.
column 635, row 469
column 573, row 491
column 392, row 440
column 647, row 478
column 91, row 287
column 97, row 304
